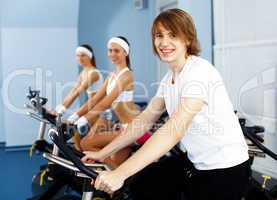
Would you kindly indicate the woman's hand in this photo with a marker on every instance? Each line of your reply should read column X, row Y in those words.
column 109, row 181
column 73, row 118
column 60, row 109
column 82, row 125
column 92, row 156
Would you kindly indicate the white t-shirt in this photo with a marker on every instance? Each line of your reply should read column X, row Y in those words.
column 214, row 139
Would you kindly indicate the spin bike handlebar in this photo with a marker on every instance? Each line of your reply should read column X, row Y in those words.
column 37, row 104
column 250, row 133
column 57, row 138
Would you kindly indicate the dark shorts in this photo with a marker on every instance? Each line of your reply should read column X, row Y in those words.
column 220, row 184
column 175, row 178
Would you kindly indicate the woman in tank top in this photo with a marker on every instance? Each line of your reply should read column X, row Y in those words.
column 90, row 80
column 116, row 93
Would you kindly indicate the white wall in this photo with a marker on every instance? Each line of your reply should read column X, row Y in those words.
column 38, row 49
column 245, row 52
column 201, row 11
column 2, row 133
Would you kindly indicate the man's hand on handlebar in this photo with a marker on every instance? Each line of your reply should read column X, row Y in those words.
column 109, row 181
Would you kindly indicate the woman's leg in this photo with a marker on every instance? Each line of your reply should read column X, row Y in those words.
column 99, row 125
column 76, row 140
column 99, row 140
column 119, row 157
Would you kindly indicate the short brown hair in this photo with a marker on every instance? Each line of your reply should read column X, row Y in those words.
column 181, row 24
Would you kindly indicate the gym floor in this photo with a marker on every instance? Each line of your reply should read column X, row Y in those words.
column 16, row 172
column 17, row 169
column 270, row 183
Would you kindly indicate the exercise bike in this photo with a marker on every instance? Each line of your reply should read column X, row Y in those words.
column 52, row 180
column 73, row 162
column 257, row 190
column 59, row 170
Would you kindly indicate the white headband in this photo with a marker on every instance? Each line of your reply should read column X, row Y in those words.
column 84, row 50
column 121, row 43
